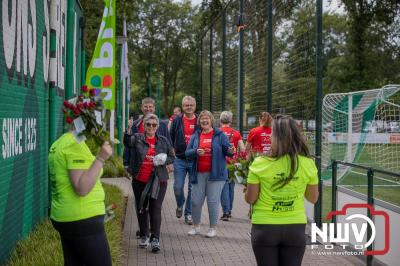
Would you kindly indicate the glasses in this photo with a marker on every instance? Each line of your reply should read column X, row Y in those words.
column 151, row 125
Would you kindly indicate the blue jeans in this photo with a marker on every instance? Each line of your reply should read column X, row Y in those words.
column 181, row 169
column 227, row 196
column 210, row 189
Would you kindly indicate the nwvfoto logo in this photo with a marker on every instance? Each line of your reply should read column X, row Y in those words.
column 340, row 233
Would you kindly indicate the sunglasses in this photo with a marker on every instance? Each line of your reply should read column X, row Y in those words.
column 151, row 125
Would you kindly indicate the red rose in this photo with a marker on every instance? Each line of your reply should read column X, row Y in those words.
column 92, row 105
column 69, row 120
column 69, row 106
column 66, row 103
column 79, row 105
column 93, row 92
column 77, row 111
column 85, row 105
column 84, row 88
column 80, row 97
column 64, row 110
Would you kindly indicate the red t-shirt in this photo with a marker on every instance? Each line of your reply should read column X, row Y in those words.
column 188, row 127
column 141, row 127
column 234, row 139
column 260, row 139
column 147, row 166
column 204, row 161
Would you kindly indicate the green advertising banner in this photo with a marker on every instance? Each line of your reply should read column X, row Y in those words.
column 24, row 64
column 101, row 72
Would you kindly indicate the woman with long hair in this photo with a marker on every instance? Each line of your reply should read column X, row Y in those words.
column 277, row 186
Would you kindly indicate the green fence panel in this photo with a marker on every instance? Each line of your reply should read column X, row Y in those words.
column 24, row 62
column 32, row 89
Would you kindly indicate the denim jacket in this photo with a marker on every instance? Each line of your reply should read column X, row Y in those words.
column 219, row 145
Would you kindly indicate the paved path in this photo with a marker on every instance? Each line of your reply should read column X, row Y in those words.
column 231, row 246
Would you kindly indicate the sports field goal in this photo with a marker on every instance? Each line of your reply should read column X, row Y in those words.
column 362, row 127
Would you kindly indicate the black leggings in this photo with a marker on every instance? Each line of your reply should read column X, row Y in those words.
column 154, row 212
column 278, row 245
column 84, row 242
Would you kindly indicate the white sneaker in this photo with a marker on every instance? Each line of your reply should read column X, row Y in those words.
column 194, row 231
column 211, row 233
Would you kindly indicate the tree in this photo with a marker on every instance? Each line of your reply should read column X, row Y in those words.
column 364, row 15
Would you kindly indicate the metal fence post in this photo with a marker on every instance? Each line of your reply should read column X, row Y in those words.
column 69, row 70
column 82, row 25
column 318, row 133
column 223, row 58
column 269, row 57
column 119, row 102
column 334, row 189
column 370, row 201
column 241, row 72
column 211, row 67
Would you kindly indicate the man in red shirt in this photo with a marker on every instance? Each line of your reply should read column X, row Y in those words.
column 235, row 139
column 182, row 129
column 259, row 138
column 177, row 111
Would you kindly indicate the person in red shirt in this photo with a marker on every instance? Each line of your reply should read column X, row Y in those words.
column 182, row 129
column 259, row 138
column 148, row 178
column 208, row 149
column 177, row 111
column 235, row 139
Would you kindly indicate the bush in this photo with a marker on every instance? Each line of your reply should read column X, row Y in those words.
column 113, row 167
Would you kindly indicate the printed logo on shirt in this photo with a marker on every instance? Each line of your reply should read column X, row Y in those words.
column 78, row 161
column 207, row 141
column 192, row 126
column 283, row 206
column 148, row 159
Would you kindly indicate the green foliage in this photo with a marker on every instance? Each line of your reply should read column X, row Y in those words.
column 114, row 166
column 369, row 24
column 43, row 245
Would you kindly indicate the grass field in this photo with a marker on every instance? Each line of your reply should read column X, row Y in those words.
column 378, row 156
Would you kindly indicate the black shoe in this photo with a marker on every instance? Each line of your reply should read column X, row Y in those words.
column 188, row 219
column 225, row 217
column 144, row 242
column 137, row 234
column 179, row 212
column 155, row 245
column 229, row 215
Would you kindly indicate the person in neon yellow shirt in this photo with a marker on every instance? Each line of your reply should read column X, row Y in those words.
column 277, row 186
column 77, row 200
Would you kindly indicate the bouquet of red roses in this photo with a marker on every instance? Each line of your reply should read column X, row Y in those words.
column 85, row 113
column 238, row 167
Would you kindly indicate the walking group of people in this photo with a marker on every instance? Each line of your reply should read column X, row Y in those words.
column 195, row 149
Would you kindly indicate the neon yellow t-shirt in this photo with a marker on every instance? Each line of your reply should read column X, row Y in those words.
column 284, row 205
column 66, row 206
